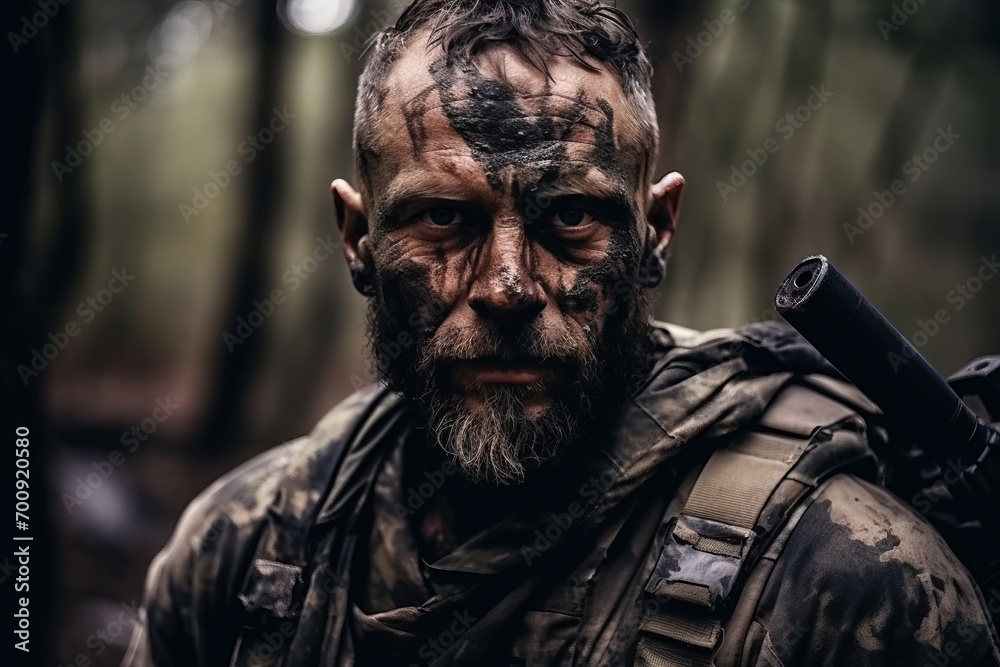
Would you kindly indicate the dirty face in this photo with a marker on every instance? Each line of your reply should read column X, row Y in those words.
column 505, row 239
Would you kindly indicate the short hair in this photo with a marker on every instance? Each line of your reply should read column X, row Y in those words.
column 586, row 30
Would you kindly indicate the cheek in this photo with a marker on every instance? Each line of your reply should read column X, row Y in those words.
column 590, row 294
column 429, row 282
column 417, row 277
column 577, row 295
column 581, row 306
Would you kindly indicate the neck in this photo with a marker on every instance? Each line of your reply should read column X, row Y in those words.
column 457, row 509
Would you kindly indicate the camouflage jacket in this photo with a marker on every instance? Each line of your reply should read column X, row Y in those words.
column 303, row 557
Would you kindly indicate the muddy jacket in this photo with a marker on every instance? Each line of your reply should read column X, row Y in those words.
column 304, row 556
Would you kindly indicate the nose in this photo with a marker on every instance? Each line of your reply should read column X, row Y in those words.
column 504, row 288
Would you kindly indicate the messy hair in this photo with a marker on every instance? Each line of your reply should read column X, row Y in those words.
column 593, row 34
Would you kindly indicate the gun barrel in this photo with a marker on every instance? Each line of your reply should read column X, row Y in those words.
column 853, row 335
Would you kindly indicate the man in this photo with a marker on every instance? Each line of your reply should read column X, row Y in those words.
column 547, row 477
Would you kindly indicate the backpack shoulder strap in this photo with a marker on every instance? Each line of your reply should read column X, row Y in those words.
column 741, row 499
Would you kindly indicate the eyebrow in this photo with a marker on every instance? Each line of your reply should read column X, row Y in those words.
column 611, row 189
column 574, row 184
column 424, row 186
column 612, row 195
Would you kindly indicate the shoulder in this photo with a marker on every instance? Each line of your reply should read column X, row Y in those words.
column 758, row 350
column 201, row 569
column 865, row 580
column 242, row 498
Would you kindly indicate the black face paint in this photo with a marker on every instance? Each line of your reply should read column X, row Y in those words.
column 526, row 151
column 414, row 112
column 486, row 114
column 402, row 317
column 613, row 159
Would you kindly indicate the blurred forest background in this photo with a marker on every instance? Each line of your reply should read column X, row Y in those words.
column 167, row 94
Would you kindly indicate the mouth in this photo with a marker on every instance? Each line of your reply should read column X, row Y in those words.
column 522, row 371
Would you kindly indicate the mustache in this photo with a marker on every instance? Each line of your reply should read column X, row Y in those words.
column 529, row 343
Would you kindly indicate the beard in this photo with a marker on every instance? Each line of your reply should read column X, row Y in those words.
column 506, row 437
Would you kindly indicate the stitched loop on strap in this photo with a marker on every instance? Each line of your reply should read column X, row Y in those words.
column 695, row 564
column 701, row 632
column 655, row 651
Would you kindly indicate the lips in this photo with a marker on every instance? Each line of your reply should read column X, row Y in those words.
column 495, row 370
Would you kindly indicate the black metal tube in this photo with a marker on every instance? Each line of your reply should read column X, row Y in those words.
column 853, row 335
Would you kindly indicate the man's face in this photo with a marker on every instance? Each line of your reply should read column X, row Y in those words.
column 506, row 227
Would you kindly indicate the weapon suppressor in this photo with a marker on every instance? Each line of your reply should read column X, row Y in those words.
column 818, row 301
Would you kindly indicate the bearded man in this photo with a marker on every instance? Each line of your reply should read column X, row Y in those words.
column 545, row 476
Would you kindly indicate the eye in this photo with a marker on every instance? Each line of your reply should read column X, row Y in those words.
column 572, row 217
column 442, row 216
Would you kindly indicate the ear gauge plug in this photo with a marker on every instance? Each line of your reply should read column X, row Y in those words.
column 653, row 269
column 362, row 271
column 363, row 278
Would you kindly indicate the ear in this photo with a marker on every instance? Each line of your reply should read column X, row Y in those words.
column 352, row 222
column 664, row 209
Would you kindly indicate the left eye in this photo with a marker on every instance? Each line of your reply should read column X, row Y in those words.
column 572, row 217
column 442, row 216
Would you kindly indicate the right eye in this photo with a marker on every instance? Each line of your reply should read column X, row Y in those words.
column 442, row 216
column 572, row 217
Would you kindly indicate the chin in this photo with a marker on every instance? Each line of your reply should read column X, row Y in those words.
column 499, row 437
column 534, row 406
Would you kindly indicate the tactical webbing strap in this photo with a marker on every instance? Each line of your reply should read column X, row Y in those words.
column 712, row 545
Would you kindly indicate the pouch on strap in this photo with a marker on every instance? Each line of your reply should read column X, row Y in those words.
column 270, row 588
column 269, row 599
column 740, row 500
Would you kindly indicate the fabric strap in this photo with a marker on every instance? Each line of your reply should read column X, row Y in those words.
column 710, row 547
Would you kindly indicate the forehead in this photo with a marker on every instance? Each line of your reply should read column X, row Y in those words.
column 502, row 123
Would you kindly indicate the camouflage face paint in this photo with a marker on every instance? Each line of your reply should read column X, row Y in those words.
column 486, row 114
column 510, row 153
